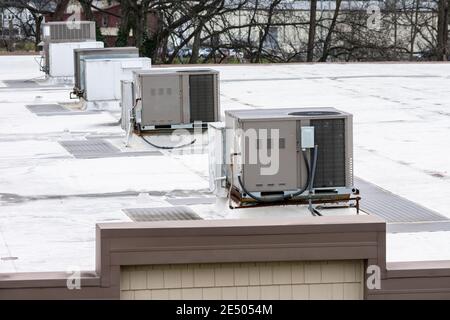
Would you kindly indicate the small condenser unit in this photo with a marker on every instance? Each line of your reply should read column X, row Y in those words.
column 305, row 138
column 97, row 53
column 101, row 79
column 60, row 57
column 174, row 98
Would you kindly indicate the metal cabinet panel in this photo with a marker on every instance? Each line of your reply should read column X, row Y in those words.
column 161, row 100
column 99, row 53
column 61, row 57
column 103, row 76
column 286, row 177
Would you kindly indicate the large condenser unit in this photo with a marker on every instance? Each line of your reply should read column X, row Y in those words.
column 101, row 78
column 175, row 98
column 97, row 53
column 277, row 155
column 59, row 41
column 68, row 31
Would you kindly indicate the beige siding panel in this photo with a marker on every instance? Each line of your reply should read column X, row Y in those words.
column 224, row 276
column 254, row 293
column 286, row 292
column 298, row 272
column 138, row 280
column 313, row 272
column 175, row 294
column 241, row 275
column 204, row 276
column 187, row 276
column 212, row 293
column 300, row 292
column 155, row 278
column 320, row 291
column 143, row 294
column 162, row 294
column 338, row 291
column 192, row 294
column 241, row 281
column 172, row 277
column 241, row 293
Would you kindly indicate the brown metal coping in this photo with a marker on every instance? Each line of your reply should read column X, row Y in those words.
column 219, row 241
column 415, row 280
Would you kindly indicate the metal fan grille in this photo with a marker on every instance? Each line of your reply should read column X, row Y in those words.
column 329, row 135
column 201, row 92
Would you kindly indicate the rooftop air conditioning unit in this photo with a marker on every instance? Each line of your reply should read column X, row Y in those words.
column 69, row 31
column 59, row 40
column 102, row 77
column 176, row 98
column 60, row 55
column 97, row 53
column 271, row 154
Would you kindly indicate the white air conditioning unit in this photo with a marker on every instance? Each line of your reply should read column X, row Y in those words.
column 102, row 77
column 279, row 155
column 61, row 54
column 97, row 53
column 175, row 98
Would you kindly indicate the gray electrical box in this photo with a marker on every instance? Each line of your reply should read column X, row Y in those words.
column 172, row 97
column 97, row 53
column 307, row 137
column 294, row 131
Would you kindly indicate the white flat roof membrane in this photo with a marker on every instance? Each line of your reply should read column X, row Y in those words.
column 51, row 200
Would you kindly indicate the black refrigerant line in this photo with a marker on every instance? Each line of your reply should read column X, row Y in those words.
column 169, row 147
column 308, row 185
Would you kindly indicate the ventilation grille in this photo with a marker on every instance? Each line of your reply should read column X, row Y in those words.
column 99, row 148
column 329, row 135
column 41, row 109
column 89, row 148
column 202, row 98
column 76, row 31
column 161, row 214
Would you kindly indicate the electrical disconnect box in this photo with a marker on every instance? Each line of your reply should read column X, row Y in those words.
column 270, row 153
column 175, row 97
column 97, row 53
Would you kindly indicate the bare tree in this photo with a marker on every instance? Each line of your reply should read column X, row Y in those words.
column 327, row 42
column 38, row 9
column 442, row 32
column 312, row 30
